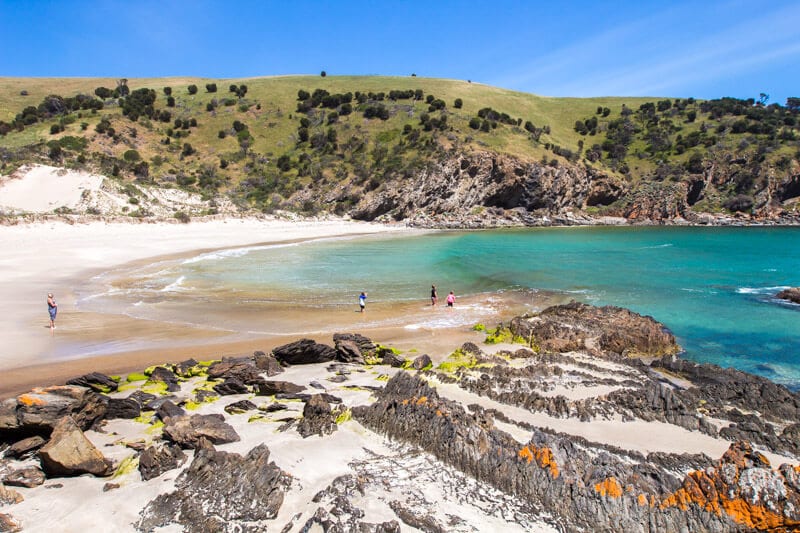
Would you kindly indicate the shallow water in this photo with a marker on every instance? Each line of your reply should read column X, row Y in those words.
column 713, row 287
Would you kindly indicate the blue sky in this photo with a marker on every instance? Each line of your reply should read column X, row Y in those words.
column 579, row 48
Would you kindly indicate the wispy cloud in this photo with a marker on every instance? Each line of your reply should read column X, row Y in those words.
column 655, row 62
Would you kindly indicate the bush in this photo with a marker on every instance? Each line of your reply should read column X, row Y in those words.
column 187, row 150
column 458, row 103
column 56, row 128
column 170, row 101
column 211, row 87
column 192, row 89
column 183, row 217
column 131, row 156
column 323, row 73
column 167, row 91
column 475, row 123
column 740, row 202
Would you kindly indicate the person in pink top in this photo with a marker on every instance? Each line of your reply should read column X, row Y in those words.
column 451, row 299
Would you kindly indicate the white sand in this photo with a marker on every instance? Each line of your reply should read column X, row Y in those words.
column 42, row 189
column 46, row 257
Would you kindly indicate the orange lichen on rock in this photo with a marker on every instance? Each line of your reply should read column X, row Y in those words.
column 543, row 456
column 29, row 400
column 721, row 490
column 609, row 487
column 422, row 400
column 642, row 499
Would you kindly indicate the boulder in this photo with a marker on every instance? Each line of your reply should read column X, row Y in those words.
column 185, row 369
column 599, row 330
column 166, row 376
column 25, row 446
column 8, row 414
column 30, row 476
column 42, row 408
column 221, row 491
column 122, row 408
column 352, row 347
column 70, row 453
column 95, row 381
column 168, row 410
column 188, row 430
column 267, row 363
column 142, row 398
column 155, row 460
column 8, row 524
column 792, row 295
column 268, row 388
column 303, row 352
column 317, row 418
column 239, row 407
column 243, row 370
column 231, row 386
column 422, row 361
column 393, row 360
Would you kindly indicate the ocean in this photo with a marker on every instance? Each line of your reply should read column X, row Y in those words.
column 712, row 287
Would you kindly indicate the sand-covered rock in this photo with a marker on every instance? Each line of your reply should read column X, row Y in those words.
column 9, row 496
column 187, row 431
column 155, row 460
column 223, row 492
column 29, row 476
column 599, row 330
column 8, row 524
column 317, row 418
column 70, row 453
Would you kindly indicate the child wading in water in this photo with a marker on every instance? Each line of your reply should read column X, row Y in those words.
column 362, row 301
column 434, row 296
column 52, row 309
column 451, row 299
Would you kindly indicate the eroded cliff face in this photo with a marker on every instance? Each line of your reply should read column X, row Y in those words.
column 489, row 189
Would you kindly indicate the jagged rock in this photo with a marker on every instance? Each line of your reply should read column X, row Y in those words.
column 393, row 360
column 204, row 395
column 123, row 408
column 317, row 418
column 304, row 351
column 267, row 363
column 9, row 496
column 188, row 430
column 273, row 407
column 222, row 492
column 158, row 401
column 95, row 381
column 422, row 361
column 30, row 476
column 422, row 522
column 583, row 489
column 352, row 347
column 792, row 295
column 471, row 348
column 8, row 524
column 8, row 414
column 242, row 406
column 70, row 453
column 268, row 388
column 185, row 369
column 25, row 446
column 599, row 330
column 243, row 370
column 168, row 410
column 231, row 386
column 330, row 398
column 155, row 460
column 42, row 408
column 142, row 398
column 166, row 376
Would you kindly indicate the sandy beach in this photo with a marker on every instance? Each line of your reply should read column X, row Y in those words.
column 56, row 256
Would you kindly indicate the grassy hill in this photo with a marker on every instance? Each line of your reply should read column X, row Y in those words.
column 260, row 147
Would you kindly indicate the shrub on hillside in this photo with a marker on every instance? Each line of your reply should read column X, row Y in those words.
column 192, row 89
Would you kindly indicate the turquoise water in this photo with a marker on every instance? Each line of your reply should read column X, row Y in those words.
column 713, row 287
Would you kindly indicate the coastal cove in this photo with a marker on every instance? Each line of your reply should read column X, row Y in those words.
column 713, row 287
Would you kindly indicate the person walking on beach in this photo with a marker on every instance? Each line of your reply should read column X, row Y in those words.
column 434, row 296
column 451, row 299
column 362, row 301
column 52, row 308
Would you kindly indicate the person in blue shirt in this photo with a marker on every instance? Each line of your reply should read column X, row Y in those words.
column 362, row 301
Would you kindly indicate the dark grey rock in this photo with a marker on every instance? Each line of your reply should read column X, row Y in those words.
column 317, row 418
column 267, row 363
column 30, row 476
column 393, row 360
column 239, row 407
column 222, row 492
column 155, row 460
column 187, row 431
column 243, row 370
column 421, row 362
column 70, row 453
column 142, row 398
column 167, row 376
column 123, row 408
column 185, row 368
column 304, row 351
column 231, row 386
column 168, row 410
column 95, row 381
column 269, row 388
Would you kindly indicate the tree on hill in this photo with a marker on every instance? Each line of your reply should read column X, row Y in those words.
column 192, row 89
column 103, row 92
column 323, row 74
column 211, row 87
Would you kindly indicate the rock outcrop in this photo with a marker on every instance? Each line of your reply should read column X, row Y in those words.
column 792, row 295
column 317, row 418
column 155, row 460
column 95, row 381
column 599, row 330
column 187, row 431
column 221, row 491
column 303, row 352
